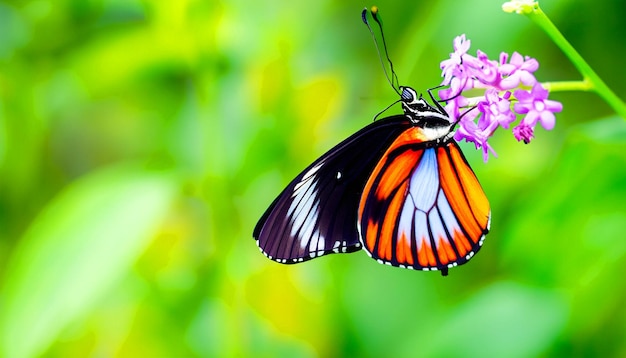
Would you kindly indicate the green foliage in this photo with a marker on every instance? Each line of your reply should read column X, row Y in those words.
column 76, row 250
column 141, row 141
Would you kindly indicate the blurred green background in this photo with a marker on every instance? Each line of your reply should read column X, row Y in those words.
column 140, row 141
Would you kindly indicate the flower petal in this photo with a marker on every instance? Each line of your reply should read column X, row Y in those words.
column 547, row 120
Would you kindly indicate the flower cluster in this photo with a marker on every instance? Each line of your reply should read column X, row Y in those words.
column 508, row 87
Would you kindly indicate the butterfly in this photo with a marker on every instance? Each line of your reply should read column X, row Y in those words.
column 400, row 188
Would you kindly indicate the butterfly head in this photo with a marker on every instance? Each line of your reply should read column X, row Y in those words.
column 433, row 119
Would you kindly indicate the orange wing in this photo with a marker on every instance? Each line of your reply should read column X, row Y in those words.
column 422, row 207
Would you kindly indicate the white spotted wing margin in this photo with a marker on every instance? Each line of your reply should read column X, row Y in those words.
column 316, row 214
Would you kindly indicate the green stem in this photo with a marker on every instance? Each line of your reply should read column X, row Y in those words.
column 594, row 81
column 561, row 86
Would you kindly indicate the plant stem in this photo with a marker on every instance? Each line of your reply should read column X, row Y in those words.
column 593, row 81
column 561, row 86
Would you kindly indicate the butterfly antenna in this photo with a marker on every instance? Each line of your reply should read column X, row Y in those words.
column 384, row 110
column 450, row 98
column 436, row 102
column 461, row 116
column 393, row 81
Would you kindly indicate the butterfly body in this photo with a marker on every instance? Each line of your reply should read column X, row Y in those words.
column 400, row 188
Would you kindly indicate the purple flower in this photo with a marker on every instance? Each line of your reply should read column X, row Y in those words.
column 523, row 132
column 519, row 69
column 496, row 110
column 486, row 71
column 457, row 69
column 471, row 132
column 492, row 111
column 453, row 66
column 455, row 104
column 537, row 107
column 502, row 99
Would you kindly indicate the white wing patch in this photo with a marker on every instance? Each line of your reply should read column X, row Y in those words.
column 424, row 183
column 305, row 208
column 416, row 215
column 306, row 190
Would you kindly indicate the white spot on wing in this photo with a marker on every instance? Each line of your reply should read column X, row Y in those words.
column 312, row 241
column 321, row 245
column 449, row 219
column 312, row 171
column 308, row 222
column 424, row 184
column 405, row 224
column 306, row 184
column 436, row 228
column 302, row 203
column 421, row 229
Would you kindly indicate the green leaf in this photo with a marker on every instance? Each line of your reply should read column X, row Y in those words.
column 505, row 319
column 81, row 244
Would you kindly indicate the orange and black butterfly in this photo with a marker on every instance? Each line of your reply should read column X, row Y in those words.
column 400, row 188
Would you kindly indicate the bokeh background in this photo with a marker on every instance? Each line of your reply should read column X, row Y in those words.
column 140, row 141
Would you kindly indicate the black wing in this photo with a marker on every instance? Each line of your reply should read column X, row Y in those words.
column 316, row 214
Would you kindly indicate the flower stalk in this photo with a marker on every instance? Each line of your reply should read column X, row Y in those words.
column 591, row 81
column 561, row 86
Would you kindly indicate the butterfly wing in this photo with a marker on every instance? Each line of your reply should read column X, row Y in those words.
column 423, row 207
column 316, row 214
